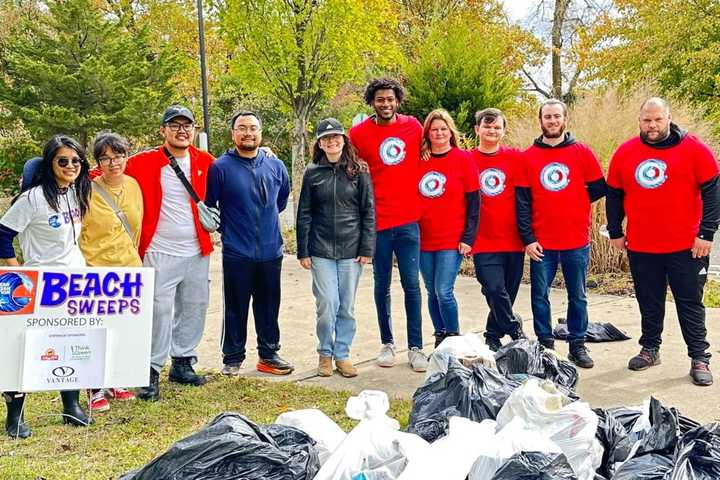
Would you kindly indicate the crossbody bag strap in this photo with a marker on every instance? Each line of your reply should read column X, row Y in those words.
column 118, row 212
column 181, row 175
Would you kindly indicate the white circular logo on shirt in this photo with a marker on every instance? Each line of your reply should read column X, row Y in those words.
column 392, row 151
column 492, row 182
column 651, row 173
column 555, row 176
column 54, row 221
column 432, row 184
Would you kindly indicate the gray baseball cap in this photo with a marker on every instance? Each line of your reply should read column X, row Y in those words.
column 329, row 126
column 175, row 111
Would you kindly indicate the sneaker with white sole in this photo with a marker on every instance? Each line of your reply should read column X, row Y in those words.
column 386, row 358
column 121, row 394
column 97, row 401
column 418, row 360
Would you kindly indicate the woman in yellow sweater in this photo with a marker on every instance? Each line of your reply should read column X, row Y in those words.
column 110, row 233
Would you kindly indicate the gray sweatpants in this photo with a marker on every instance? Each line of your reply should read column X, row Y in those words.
column 182, row 285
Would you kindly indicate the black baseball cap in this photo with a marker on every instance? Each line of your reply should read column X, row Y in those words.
column 329, row 126
column 175, row 111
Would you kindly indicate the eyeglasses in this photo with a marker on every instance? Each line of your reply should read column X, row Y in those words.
column 244, row 129
column 64, row 162
column 175, row 127
column 107, row 160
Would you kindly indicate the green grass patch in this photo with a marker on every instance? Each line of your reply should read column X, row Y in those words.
column 133, row 433
column 712, row 294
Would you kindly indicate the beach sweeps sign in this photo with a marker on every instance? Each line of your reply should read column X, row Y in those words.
column 68, row 329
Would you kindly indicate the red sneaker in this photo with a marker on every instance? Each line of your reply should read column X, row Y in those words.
column 121, row 394
column 97, row 402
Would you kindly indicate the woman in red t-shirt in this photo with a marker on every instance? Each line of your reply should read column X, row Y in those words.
column 449, row 188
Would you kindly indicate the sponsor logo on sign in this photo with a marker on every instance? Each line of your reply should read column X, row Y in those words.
column 80, row 352
column 432, row 184
column 63, row 371
column 17, row 292
column 555, row 176
column 651, row 173
column 492, row 182
column 62, row 375
column 50, row 354
column 392, row 151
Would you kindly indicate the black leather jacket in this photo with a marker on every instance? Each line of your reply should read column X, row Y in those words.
column 335, row 215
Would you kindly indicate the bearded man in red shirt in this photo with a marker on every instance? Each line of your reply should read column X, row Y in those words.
column 666, row 182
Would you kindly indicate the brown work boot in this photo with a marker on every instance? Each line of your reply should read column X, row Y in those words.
column 645, row 359
column 325, row 366
column 700, row 372
column 346, row 368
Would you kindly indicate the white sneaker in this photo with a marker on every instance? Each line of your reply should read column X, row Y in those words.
column 387, row 355
column 418, row 360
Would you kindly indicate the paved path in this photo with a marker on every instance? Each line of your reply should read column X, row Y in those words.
column 608, row 384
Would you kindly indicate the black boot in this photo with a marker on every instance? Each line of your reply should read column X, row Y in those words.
column 72, row 413
column 15, row 426
column 151, row 393
column 439, row 337
column 579, row 354
column 493, row 343
column 182, row 372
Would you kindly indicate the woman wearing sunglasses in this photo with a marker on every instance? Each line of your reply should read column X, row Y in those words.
column 109, row 239
column 47, row 220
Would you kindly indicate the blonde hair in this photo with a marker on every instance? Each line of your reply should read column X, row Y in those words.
column 439, row 114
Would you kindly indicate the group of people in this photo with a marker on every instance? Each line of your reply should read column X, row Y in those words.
column 389, row 189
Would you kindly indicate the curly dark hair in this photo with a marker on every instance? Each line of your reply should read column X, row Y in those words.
column 384, row 84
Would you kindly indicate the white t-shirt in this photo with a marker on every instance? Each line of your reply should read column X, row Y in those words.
column 47, row 237
column 175, row 233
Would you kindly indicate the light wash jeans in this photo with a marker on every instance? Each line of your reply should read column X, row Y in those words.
column 439, row 270
column 335, row 284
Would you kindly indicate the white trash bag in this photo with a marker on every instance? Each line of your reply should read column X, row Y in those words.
column 319, row 426
column 468, row 348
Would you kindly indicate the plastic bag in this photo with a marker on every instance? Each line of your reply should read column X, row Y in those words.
column 231, row 447
column 370, row 405
column 536, row 466
column 698, row 454
column 572, row 427
column 476, row 393
column 466, row 348
column 610, row 433
column 319, row 426
column 652, row 466
column 596, row 332
column 526, row 356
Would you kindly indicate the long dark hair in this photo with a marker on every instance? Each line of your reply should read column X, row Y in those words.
column 349, row 159
column 45, row 177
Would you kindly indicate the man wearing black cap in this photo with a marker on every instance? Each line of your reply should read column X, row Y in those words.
column 174, row 243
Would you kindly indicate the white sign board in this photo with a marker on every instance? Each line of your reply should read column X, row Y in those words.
column 44, row 307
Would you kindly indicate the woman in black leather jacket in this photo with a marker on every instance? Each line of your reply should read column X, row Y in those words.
column 335, row 238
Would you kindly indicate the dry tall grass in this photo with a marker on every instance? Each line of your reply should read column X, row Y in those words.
column 604, row 120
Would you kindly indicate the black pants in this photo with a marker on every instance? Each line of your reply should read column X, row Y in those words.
column 651, row 273
column 500, row 275
column 243, row 279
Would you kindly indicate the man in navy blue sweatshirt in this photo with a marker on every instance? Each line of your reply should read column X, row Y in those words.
column 251, row 188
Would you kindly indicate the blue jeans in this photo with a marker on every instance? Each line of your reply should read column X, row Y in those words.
column 439, row 270
column 404, row 241
column 574, row 265
column 335, row 284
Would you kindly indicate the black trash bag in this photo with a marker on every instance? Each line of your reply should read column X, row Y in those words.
column 535, row 466
column 698, row 454
column 526, row 356
column 626, row 416
column 652, row 466
column 232, row 447
column 610, row 432
column 687, row 424
column 596, row 332
column 477, row 393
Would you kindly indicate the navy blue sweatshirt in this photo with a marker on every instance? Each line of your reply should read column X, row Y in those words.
column 251, row 193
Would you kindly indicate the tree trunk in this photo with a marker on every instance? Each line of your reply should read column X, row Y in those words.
column 561, row 7
column 298, row 158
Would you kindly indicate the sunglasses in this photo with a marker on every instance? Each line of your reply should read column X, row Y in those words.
column 64, row 162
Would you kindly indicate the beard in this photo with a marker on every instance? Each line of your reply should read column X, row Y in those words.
column 547, row 134
column 661, row 136
column 248, row 145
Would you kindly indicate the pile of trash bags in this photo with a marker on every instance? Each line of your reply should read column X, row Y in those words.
column 513, row 414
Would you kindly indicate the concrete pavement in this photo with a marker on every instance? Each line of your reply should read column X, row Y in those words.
column 610, row 383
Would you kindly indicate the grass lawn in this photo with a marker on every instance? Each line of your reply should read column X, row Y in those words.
column 133, row 433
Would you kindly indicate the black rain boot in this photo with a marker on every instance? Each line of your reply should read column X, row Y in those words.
column 72, row 413
column 579, row 354
column 183, row 373
column 15, row 425
column 151, row 393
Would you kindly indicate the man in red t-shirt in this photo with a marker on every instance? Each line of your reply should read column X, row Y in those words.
column 562, row 179
column 498, row 252
column 390, row 144
column 666, row 182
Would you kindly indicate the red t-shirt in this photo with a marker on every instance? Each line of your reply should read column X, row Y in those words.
column 444, row 181
column 560, row 202
column 498, row 228
column 662, row 192
column 393, row 155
